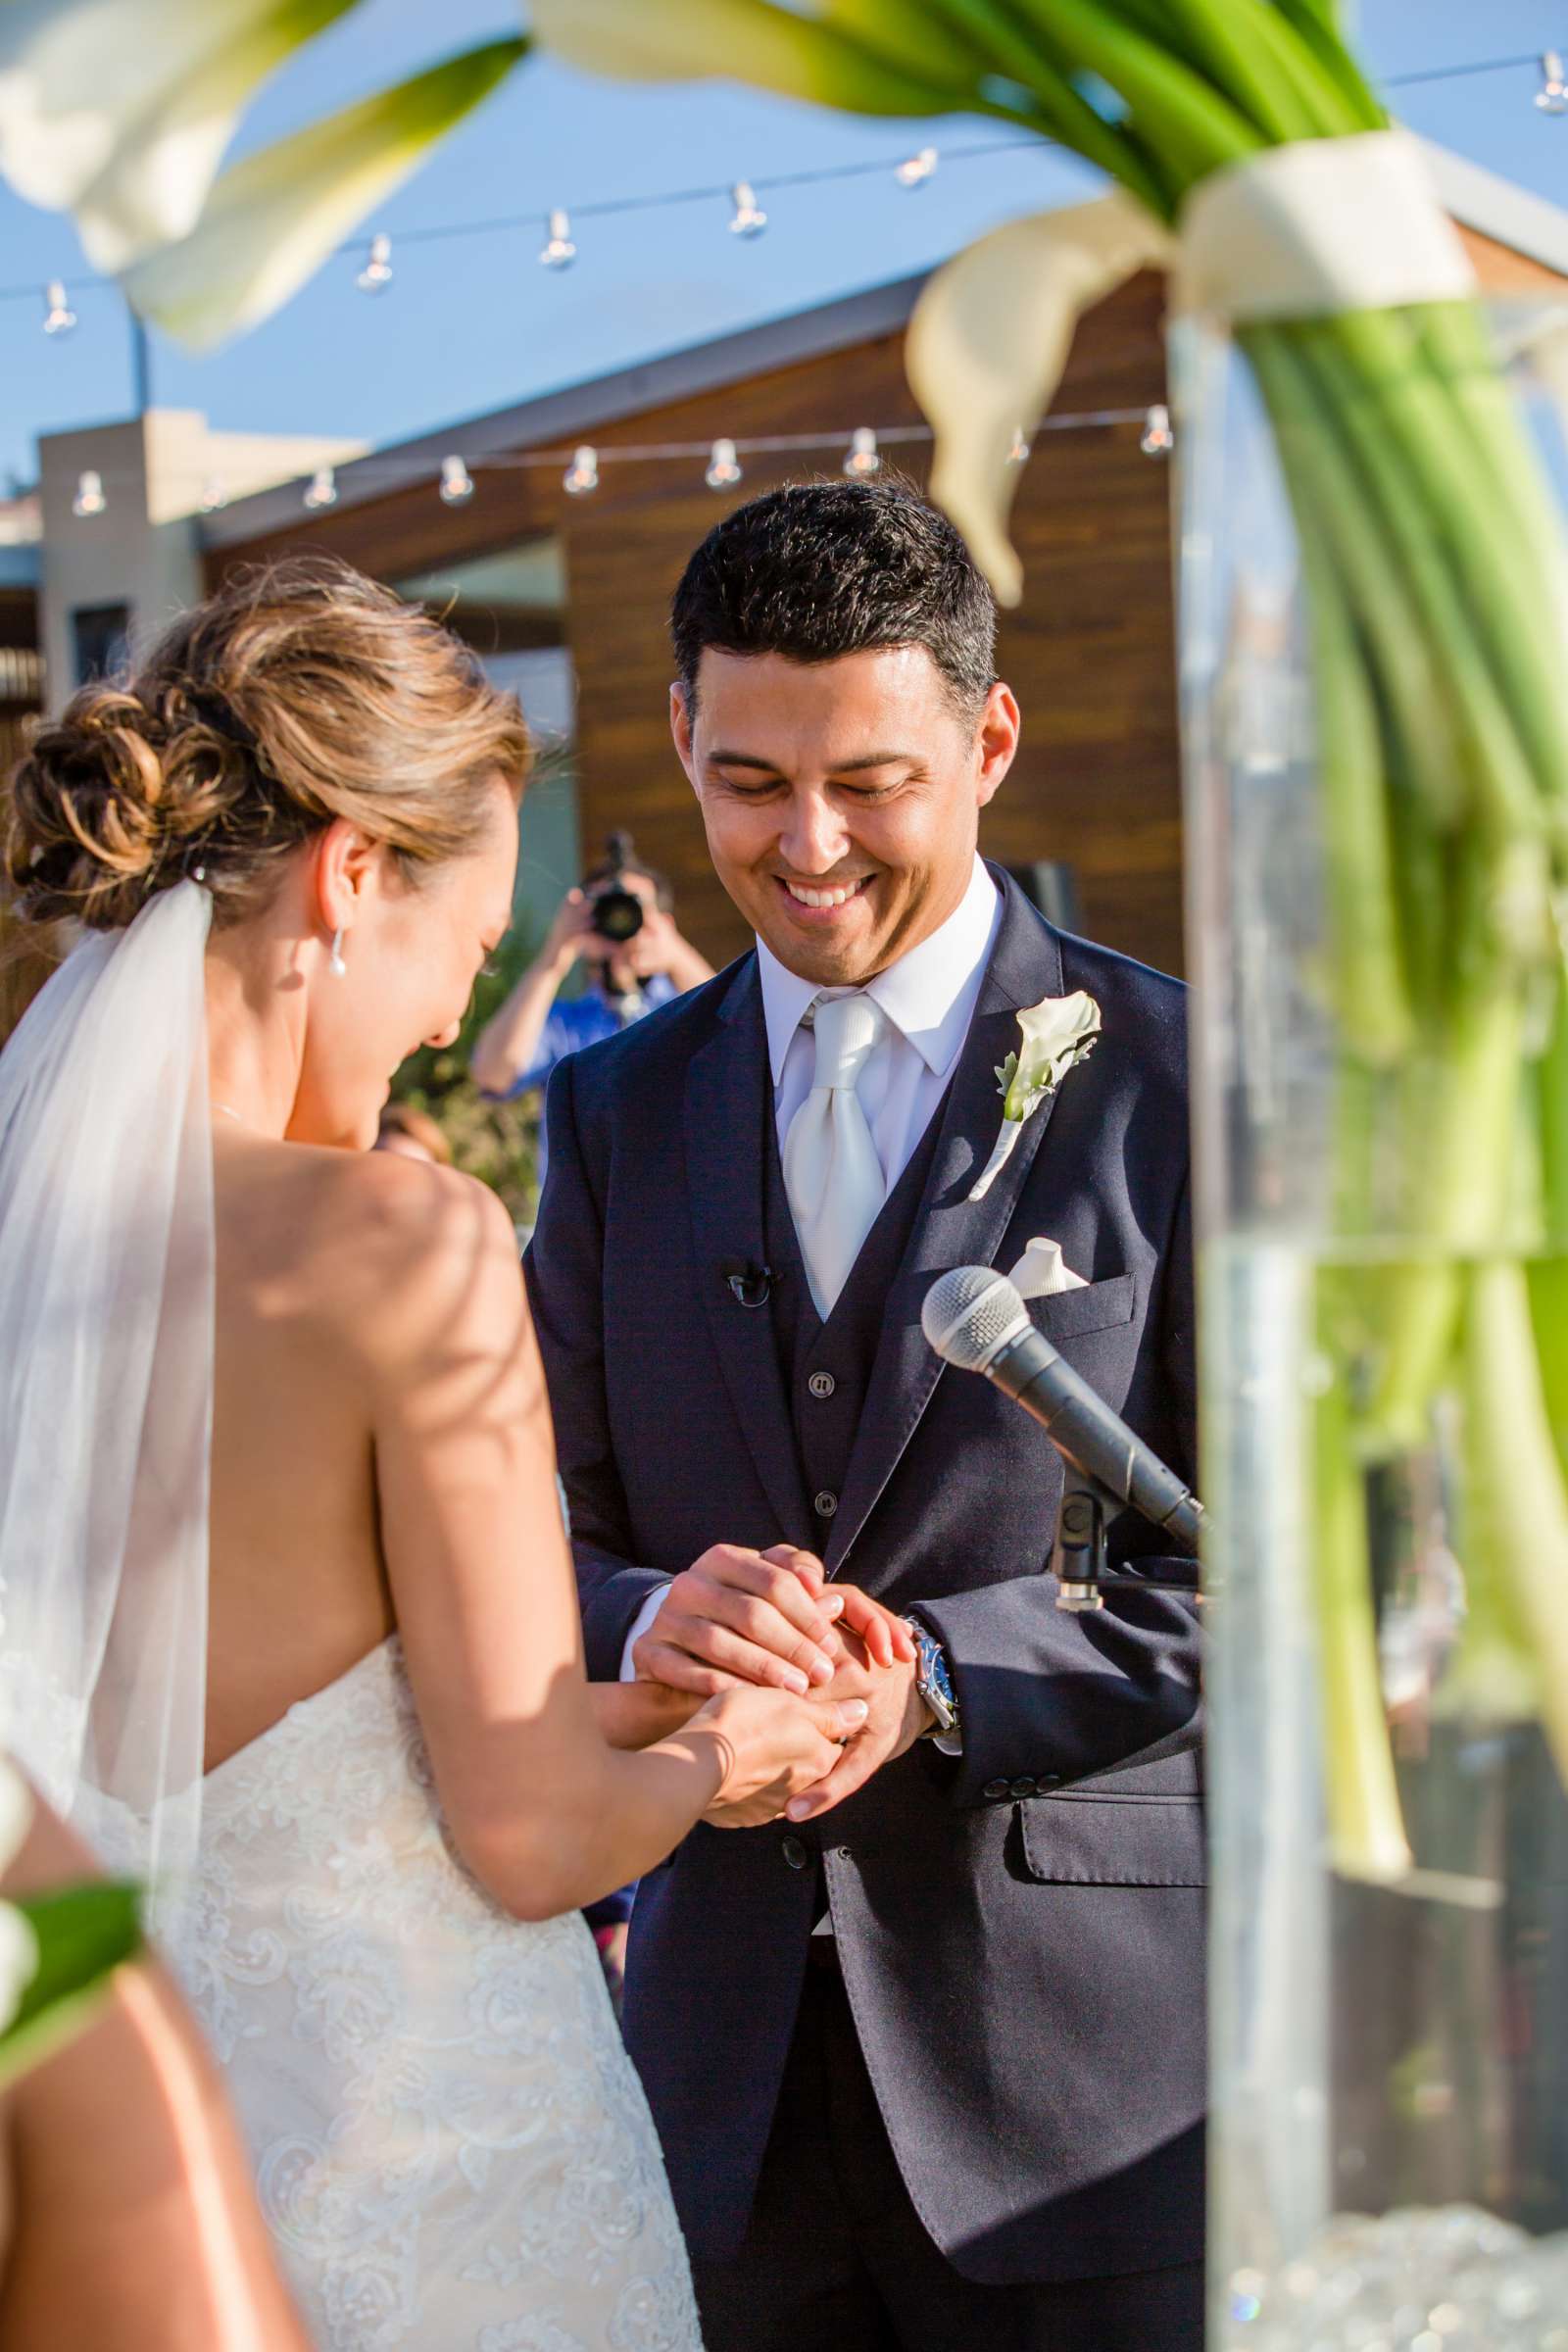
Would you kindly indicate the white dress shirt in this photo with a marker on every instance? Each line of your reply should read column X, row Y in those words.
column 929, row 997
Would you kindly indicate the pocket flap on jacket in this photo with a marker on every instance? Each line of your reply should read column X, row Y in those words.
column 1114, row 1842
column 1097, row 1306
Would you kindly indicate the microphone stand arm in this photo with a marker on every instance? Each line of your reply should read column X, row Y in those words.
column 1080, row 1560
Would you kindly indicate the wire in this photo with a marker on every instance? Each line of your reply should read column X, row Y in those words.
column 602, row 207
column 1485, row 64
column 394, row 469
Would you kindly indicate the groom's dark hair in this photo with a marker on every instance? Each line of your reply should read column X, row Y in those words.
column 820, row 570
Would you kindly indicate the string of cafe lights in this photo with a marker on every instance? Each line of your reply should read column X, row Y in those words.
column 748, row 216
column 861, row 456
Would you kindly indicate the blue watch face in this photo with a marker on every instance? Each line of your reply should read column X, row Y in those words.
column 934, row 1674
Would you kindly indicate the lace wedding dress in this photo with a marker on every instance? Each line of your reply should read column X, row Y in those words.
column 450, row 2143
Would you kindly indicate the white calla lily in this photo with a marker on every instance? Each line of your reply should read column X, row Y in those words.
column 775, row 48
column 19, row 1945
column 272, row 218
column 19, row 1960
column 1054, row 1035
column 121, row 111
column 987, row 343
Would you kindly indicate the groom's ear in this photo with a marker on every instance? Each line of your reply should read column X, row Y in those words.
column 1001, row 722
column 681, row 726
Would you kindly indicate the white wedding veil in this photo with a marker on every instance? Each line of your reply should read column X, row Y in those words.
column 106, row 1393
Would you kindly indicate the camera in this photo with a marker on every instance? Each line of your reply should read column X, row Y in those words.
column 617, row 913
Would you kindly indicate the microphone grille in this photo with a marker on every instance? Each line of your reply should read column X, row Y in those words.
column 969, row 1312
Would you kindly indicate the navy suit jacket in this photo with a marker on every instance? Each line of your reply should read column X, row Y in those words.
column 1020, row 1928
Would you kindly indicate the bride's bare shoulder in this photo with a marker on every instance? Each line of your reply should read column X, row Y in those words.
column 386, row 1247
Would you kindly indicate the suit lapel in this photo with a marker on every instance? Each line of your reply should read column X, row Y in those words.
column 951, row 1229
column 728, row 1102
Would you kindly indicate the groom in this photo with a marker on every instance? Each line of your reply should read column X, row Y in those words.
column 927, row 2058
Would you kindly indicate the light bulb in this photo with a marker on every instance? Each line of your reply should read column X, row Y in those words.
column 723, row 472
column 457, row 482
column 582, row 475
column 213, row 496
column 89, row 498
column 558, row 251
column 1157, row 439
column 748, row 220
column 58, row 316
column 323, row 490
column 862, row 459
column 1552, row 95
column 916, row 169
column 377, row 276
column 1018, row 454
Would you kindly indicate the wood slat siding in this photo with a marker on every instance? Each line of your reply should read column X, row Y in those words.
column 1090, row 654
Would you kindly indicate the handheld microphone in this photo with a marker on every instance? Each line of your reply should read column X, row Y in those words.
column 975, row 1319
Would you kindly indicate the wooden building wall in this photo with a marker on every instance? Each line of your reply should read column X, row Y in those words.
column 1089, row 653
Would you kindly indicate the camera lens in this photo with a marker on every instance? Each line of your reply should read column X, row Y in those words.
column 617, row 914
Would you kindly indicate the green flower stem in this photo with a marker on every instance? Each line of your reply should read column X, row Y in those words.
column 1367, row 967
column 1238, row 43
column 1365, row 1824
column 84, row 1935
column 1516, row 1516
column 1375, row 360
column 1495, row 758
column 1324, row 485
column 1068, row 116
column 1172, row 107
column 1460, row 1137
column 1552, row 1077
column 1459, row 351
column 1547, row 1278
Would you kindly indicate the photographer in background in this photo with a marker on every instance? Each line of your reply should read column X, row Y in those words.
column 620, row 922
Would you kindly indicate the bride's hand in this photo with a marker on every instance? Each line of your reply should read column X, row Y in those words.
column 886, row 1636
column 775, row 1747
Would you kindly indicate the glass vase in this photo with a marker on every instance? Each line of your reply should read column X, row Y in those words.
column 1383, row 1418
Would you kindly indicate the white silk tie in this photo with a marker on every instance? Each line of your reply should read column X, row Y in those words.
column 833, row 1178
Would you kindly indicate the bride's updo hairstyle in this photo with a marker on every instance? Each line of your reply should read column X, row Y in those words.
column 301, row 692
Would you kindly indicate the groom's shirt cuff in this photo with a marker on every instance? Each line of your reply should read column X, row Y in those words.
column 639, row 1626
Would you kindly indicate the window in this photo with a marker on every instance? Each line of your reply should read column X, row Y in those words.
column 100, row 637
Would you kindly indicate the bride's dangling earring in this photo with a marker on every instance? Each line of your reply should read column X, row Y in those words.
column 337, row 964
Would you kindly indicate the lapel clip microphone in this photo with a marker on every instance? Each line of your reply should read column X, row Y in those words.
column 749, row 1284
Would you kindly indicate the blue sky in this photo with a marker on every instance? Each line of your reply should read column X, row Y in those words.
column 473, row 323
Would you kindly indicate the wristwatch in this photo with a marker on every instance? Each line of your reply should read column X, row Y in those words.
column 935, row 1684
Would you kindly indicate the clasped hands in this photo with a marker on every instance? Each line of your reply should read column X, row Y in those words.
column 771, row 1618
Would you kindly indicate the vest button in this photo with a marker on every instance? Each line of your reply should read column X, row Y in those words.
column 827, row 1503
column 794, row 1853
column 821, row 1384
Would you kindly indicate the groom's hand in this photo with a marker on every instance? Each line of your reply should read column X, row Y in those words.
column 742, row 1616
column 897, row 1717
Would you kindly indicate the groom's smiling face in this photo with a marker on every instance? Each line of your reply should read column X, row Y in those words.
column 841, row 799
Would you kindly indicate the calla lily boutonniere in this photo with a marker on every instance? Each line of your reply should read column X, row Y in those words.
column 1058, row 1034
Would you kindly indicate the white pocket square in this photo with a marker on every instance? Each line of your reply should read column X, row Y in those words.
column 1042, row 1271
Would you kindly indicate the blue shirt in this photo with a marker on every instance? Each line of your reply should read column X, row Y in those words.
column 577, row 1021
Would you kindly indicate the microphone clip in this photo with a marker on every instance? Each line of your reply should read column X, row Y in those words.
column 749, row 1284
column 1079, row 1562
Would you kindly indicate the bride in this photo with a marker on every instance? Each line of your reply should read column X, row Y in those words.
column 289, row 1622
